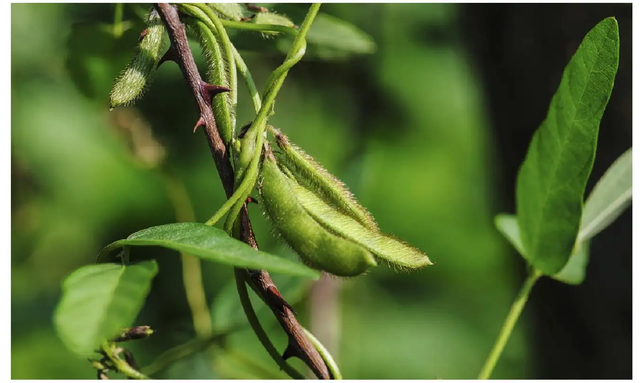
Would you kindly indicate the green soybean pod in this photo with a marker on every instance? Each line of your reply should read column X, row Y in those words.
column 310, row 174
column 391, row 250
column 136, row 76
column 315, row 245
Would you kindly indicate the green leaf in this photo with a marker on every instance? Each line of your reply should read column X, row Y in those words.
column 99, row 300
column 210, row 244
column 553, row 176
column 331, row 38
column 507, row 224
column 575, row 270
column 609, row 198
column 572, row 273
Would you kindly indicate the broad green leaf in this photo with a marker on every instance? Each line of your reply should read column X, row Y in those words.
column 332, row 38
column 609, row 198
column 553, row 176
column 507, row 224
column 99, row 300
column 210, row 244
column 575, row 270
column 572, row 273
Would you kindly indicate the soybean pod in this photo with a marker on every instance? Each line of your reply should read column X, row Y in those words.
column 315, row 245
column 393, row 251
column 132, row 82
column 310, row 174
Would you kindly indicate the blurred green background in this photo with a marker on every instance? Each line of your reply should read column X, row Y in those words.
column 403, row 127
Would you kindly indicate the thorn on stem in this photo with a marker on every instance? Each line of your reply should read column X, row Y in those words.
column 199, row 124
column 170, row 55
column 273, row 296
column 212, row 90
column 290, row 351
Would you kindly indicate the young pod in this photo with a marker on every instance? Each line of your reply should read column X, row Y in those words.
column 315, row 245
column 133, row 80
column 311, row 175
column 382, row 246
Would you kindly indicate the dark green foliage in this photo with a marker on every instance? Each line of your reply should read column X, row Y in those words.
column 553, row 177
column 99, row 300
column 211, row 244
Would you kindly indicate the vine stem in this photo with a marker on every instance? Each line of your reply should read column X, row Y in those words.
column 326, row 355
column 511, row 320
column 110, row 350
column 228, row 53
column 249, row 158
column 300, row 345
column 257, row 327
column 217, row 42
column 248, row 79
column 257, row 102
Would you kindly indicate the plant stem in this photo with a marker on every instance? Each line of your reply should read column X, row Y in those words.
column 191, row 266
column 257, row 327
column 303, row 347
column 249, row 158
column 109, row 350
column 248, row 79
column 326, row 356
column 224, row 104
column 117, row 20
column 509, row 323
column 221, row 33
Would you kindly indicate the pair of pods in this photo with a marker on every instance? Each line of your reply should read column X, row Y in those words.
column 321, row 220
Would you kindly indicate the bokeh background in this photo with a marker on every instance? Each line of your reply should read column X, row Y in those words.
column 428, row 131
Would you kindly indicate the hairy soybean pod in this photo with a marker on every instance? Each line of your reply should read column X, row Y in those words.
column 310, row 174
column 315, row 245
column 382, row 246
column 132, row 81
